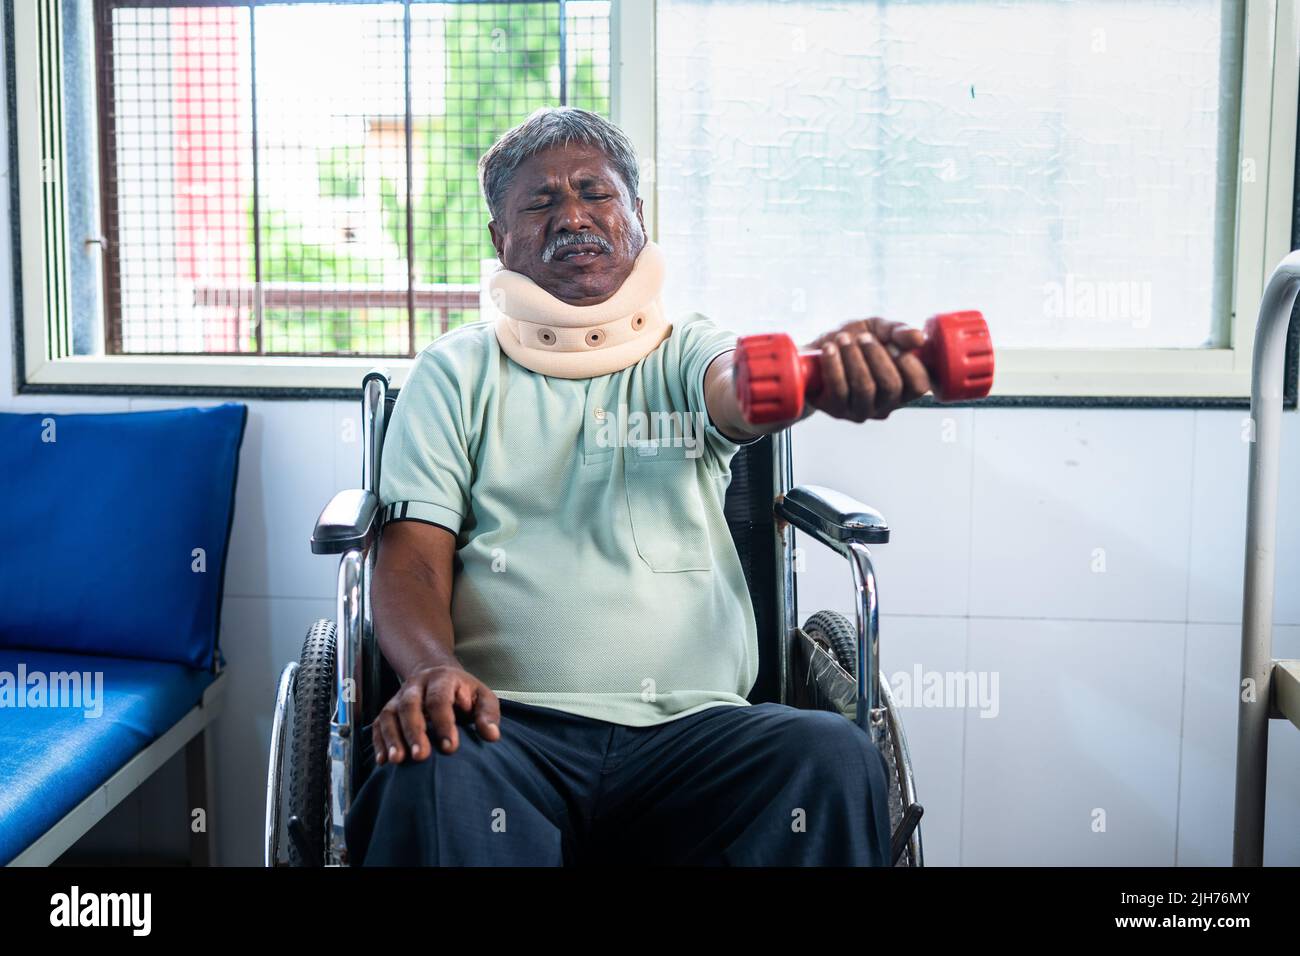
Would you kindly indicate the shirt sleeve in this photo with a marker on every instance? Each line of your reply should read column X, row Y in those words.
column 426, row 466
column 702, row 342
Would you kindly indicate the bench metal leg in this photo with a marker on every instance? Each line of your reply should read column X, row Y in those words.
column 199, row 796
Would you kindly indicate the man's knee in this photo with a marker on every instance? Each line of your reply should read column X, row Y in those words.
column 824, row 799
column 462, row 808
column 832, row 747
column 437, row 778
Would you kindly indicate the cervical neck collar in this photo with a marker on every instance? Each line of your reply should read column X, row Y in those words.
column 549, row 336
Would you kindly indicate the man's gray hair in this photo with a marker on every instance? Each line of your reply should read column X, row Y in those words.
column 548, row 127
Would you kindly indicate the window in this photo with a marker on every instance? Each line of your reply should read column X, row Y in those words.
column 1091, row 175
column 291, row 179
column 283, row 194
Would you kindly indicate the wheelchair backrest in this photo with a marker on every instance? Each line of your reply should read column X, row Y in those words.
column 752, row 522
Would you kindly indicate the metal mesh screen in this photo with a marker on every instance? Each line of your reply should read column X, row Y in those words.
column 300, row 178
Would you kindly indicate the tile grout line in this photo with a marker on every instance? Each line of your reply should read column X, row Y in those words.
column 966, row 638
column 905, row 615
column 1182, row 744
column 1187, row 614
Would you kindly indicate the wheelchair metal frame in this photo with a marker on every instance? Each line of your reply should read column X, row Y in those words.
column 828, row 517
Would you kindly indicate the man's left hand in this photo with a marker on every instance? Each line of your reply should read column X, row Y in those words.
column 869, row 368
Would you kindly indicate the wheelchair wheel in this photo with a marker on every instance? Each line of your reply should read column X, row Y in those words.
column 837, row 635
column 904, row 812
column 309, row 785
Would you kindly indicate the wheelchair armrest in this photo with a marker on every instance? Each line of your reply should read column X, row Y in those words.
column 831, row 517
column 348, row 521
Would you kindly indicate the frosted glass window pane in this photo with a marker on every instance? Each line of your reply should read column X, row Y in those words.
column 1067, row 167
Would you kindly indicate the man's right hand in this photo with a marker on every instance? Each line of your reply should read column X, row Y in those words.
column 427, row 703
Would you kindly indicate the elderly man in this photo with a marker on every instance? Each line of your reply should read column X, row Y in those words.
column 557, row 588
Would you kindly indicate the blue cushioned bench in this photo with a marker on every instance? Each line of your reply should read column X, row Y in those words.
column 119, row 526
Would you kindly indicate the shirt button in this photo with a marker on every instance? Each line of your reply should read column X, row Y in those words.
column 600, row 414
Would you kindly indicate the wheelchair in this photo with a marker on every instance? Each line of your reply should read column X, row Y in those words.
column 341, row 681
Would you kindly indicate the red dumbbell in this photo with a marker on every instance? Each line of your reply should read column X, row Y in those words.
column 773, row 376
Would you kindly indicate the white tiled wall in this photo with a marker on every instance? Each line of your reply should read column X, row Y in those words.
column 1080, row 514
column 1091, row 561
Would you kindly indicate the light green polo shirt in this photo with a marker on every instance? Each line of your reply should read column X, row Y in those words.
column 595, row 572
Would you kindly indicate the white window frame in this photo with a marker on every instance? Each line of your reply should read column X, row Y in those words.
column 1270, row 93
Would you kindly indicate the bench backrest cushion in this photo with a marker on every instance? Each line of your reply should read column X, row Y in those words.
column 116, row 529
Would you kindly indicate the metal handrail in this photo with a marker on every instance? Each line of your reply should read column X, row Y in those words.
column 1256, row 690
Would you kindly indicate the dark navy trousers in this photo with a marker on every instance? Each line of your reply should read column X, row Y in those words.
column 743, row 786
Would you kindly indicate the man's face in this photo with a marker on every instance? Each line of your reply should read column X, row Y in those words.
column 569, row 224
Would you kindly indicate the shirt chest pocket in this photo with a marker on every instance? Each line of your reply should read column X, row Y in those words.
column 669, row 523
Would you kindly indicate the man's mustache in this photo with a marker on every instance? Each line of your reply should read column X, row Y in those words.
column 574, row 239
